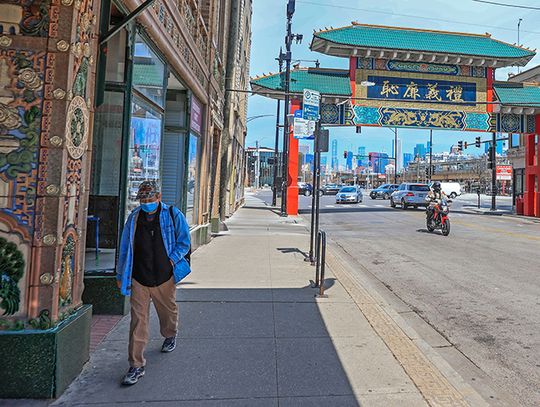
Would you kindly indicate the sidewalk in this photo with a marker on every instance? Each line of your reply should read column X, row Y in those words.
column 253, row 334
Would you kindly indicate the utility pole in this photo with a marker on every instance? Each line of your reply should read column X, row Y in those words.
column 395, row 155
column 493, row 159
column 287, row 58
column 430, row 154
column 519, row 26
column 276, row 144
column 257, row 166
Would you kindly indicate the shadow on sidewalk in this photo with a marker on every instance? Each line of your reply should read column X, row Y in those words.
column 236, row 347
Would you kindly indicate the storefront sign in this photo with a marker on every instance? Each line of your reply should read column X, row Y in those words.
column 504, row 172
column 196, row 115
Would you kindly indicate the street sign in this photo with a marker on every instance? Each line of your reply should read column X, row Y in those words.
column 298, row 113
column 303, row 129
column 504, row 172
column 310, row 105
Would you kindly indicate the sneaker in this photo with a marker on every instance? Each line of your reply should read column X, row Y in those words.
column 169, row 344
column 133, row 375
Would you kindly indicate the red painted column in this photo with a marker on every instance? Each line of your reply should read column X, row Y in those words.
column 489, row 88
column 531, row 196
column 292, row 176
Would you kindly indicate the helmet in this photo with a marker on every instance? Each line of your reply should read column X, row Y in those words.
column 436, row 186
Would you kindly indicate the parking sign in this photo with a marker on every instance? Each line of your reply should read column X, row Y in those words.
column 311, row 103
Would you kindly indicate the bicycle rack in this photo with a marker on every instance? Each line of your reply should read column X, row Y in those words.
column 320, row 265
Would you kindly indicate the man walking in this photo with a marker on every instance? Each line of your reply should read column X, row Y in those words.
column 152, row 260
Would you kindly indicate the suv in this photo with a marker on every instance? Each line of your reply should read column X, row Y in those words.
column 409, row 194
column 384, row 191
column 330, row 189
column 305, row 189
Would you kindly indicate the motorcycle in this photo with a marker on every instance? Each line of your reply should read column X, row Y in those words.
column 437, row 216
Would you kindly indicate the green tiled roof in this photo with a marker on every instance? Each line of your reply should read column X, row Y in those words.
column 394, row 38
column 512, row 95
column 147, row 75
column 326, row 81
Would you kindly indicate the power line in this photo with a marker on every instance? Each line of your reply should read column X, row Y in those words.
column 418, row 17
column 496, row 3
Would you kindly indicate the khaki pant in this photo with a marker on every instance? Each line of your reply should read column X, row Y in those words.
column 164, row 299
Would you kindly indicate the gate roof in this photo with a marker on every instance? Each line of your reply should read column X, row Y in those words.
column 419, row 45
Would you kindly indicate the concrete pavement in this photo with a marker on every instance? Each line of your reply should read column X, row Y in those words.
column 253, row 334
column 473, row 296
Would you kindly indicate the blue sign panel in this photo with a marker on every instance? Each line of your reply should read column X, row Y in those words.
column 422, row 90
column 310, row 104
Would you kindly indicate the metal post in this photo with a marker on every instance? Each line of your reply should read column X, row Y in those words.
column 276, row 149
column 285, row 167
column 257, row 166
column 317, row 188
column 315, row 192
column 430, row 154
column 322, row 261
column 493, row 171
column 395, row 156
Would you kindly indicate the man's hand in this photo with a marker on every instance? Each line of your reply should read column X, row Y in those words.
column 119, row 284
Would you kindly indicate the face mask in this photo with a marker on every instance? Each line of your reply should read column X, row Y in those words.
column 149, row 207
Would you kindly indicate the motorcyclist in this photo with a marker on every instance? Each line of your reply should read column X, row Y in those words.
column 435, row 195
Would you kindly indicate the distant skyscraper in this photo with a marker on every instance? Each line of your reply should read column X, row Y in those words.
column 324, row 161
column 498, row 149
column 362, row 159
column 304, row 149
column 420, row 151
column 379, row 161
column 407, row 158
column 349, row 160
column 399, row 155
column 335, row 162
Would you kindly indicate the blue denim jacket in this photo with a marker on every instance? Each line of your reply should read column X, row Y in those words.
column 177, row 246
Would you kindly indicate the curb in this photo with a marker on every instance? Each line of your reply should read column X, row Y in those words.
column 438, row 382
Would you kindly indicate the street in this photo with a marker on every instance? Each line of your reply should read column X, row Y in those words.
column 479, row 287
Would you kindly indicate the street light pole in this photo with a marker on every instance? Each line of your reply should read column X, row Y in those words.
column 285, row 156
column 395, row 156
column 276, row 144
column 493, row 171
column 430, row 154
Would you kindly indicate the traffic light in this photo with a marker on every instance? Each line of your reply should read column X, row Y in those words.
column 460, row 145
column 491, row 158
column 369, row 157
column 465, row 145
column 477, row 142
column 345, row 154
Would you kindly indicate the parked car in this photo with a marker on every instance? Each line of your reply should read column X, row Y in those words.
column 305, row 189
column 330, row 189
column 451, row 189
column 349, row 194
column 384, row 191
column 409, row 194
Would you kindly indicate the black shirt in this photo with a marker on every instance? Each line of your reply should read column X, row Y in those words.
column 151, row 265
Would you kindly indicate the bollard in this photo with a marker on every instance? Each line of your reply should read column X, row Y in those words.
column 320, row 263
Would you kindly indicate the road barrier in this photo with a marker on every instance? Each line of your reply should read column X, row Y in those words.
column 320, row 258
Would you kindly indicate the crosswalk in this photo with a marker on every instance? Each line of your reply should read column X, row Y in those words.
column 360, row 205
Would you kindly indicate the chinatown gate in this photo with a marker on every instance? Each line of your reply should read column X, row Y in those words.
column 418, row 79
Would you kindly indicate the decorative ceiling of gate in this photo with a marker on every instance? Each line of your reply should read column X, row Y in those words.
column 400, row 77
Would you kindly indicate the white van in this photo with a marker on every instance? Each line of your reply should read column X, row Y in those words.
column 451, row 189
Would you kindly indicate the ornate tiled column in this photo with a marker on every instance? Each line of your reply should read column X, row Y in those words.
column 47, row 59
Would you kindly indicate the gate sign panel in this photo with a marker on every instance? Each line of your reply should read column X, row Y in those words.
column 311, row 103
column 423, row 95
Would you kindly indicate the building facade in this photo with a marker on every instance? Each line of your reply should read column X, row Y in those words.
column 95, row 99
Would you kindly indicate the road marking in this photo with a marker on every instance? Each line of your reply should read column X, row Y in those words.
column 500, row 231
column 381, row 206
column 329, row 206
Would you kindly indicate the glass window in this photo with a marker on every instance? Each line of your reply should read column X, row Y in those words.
column 191, row 213
column 419, row 188
column 514, row 140
column 116, row 57
column 144, row 149
column 148, row 72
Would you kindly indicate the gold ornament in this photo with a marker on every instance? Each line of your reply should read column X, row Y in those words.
column 5, row 41
column 46, row 279
column 62, row 45
column 52, row 189
column 59, row 93
column 49, row 240
column 67, row 2
column 55, row 141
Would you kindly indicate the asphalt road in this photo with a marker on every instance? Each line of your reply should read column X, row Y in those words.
column 478, row 287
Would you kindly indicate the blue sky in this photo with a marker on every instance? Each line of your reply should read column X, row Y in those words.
column 268, row 29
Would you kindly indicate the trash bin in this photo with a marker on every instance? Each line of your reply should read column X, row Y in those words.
column 519, row 205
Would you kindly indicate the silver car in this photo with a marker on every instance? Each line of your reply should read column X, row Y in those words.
column 410, row 194
column 350, row 194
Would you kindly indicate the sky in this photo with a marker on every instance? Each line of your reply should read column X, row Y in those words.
column 268, row 35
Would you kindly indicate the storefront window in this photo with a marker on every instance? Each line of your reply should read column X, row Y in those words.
column 191, row 214
column 514, row 140
column 148, row 72
column 104, row 200
column 144, row 149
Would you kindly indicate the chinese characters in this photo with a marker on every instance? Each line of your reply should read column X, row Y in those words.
column 423, row 90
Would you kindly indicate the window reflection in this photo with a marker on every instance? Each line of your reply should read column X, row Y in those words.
column 192, row 178
column 148, row 72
